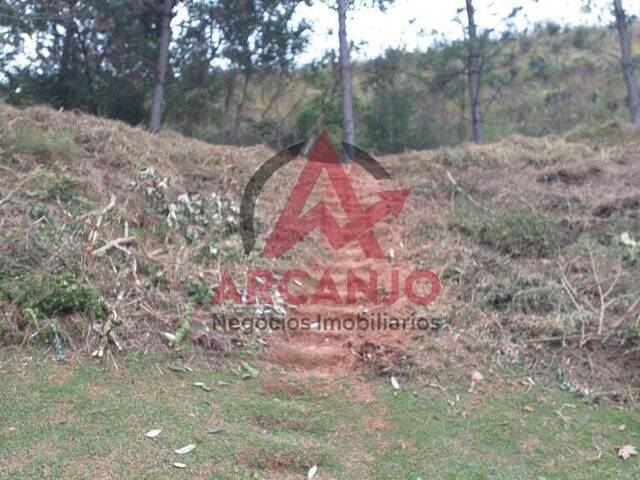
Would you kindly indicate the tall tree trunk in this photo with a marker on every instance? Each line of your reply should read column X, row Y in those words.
column 348, row 124
column 237, row 122
column 157, row 100
column 627, row 61
column 65, row 80
column 474, row 74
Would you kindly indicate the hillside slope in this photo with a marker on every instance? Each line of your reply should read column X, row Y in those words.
column 112, row 236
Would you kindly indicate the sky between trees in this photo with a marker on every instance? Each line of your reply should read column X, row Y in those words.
column 410, row 23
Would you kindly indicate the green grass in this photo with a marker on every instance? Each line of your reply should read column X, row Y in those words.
column 84, row 421
column 39, row 142
column 515, row 231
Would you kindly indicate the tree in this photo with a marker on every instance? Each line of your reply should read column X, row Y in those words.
column 399, row 114
column 474, row 74
column 92, row 55
column 480, row 53
column 345, row 68
column 628, row 67
column 258, row 36
column 346, row 82
column 157, row 99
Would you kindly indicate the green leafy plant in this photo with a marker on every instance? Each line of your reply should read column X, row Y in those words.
column 630, row 245
column 50, row 294
column 517, row 231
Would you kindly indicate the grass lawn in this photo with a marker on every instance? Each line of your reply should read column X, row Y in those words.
column 81, row 421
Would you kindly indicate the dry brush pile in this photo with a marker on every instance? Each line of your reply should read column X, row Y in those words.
column 537, row 242
column 110, row 236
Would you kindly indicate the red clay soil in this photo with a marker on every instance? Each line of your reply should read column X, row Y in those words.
column 328, row 353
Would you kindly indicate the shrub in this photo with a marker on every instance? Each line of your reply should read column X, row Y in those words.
column 518, row 231
column 50, row 294
column 540, row 67
column 580, row 38
column 523, row 293
column 553, row 29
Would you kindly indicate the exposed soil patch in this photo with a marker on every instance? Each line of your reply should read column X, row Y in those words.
column 327, row 352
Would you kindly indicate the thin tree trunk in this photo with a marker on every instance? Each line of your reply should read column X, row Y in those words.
column 627, row 61
column 157, row 101
column 474, row 74
column 237, row 122
column 348, row 124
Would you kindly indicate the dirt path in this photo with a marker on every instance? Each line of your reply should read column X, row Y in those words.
column 330, row 352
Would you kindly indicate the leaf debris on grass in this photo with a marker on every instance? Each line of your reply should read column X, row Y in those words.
column 153, row 433
column 251, row 371
column 627, row 452
column 186, row 449
column 177, row 367
column 202, row 386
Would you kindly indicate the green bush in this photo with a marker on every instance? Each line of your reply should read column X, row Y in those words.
column 49, row 294
column 580, row 38
column 197, row 291
column 523, row 293
column 517, row 231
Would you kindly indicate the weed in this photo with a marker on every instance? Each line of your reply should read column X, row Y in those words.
column 517, row 231
column 184, row 329
column 50, row 294
column 523, row 293
column 61, row 187
column 197, row 291
column 630, row 247
column 38, row 210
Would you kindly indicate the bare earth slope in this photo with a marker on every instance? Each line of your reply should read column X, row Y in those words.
column 108, row 233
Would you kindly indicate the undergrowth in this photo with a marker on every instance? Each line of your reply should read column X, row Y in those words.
column 52, row 294
column 516, row 231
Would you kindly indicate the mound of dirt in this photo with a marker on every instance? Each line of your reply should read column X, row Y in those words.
column 109, row 232
column 537, row 244
column 113, row 237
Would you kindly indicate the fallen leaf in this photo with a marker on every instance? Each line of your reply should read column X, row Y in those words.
column 627, row 451
column 185, row 449
column 178, row 368
column 215, row 430
column 179, row 465
column 394, row 383
column 202, row 386
column 622, row 427
column 250, row 369
column 312, row 472
column 476, row 376
column 529, row 408
column 153, row 433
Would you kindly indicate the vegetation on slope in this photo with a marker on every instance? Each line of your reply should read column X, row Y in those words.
column 123, row 235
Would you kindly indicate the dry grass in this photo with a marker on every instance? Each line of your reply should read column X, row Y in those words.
column 129, row 215
column 570, row 312
column 78, row 197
